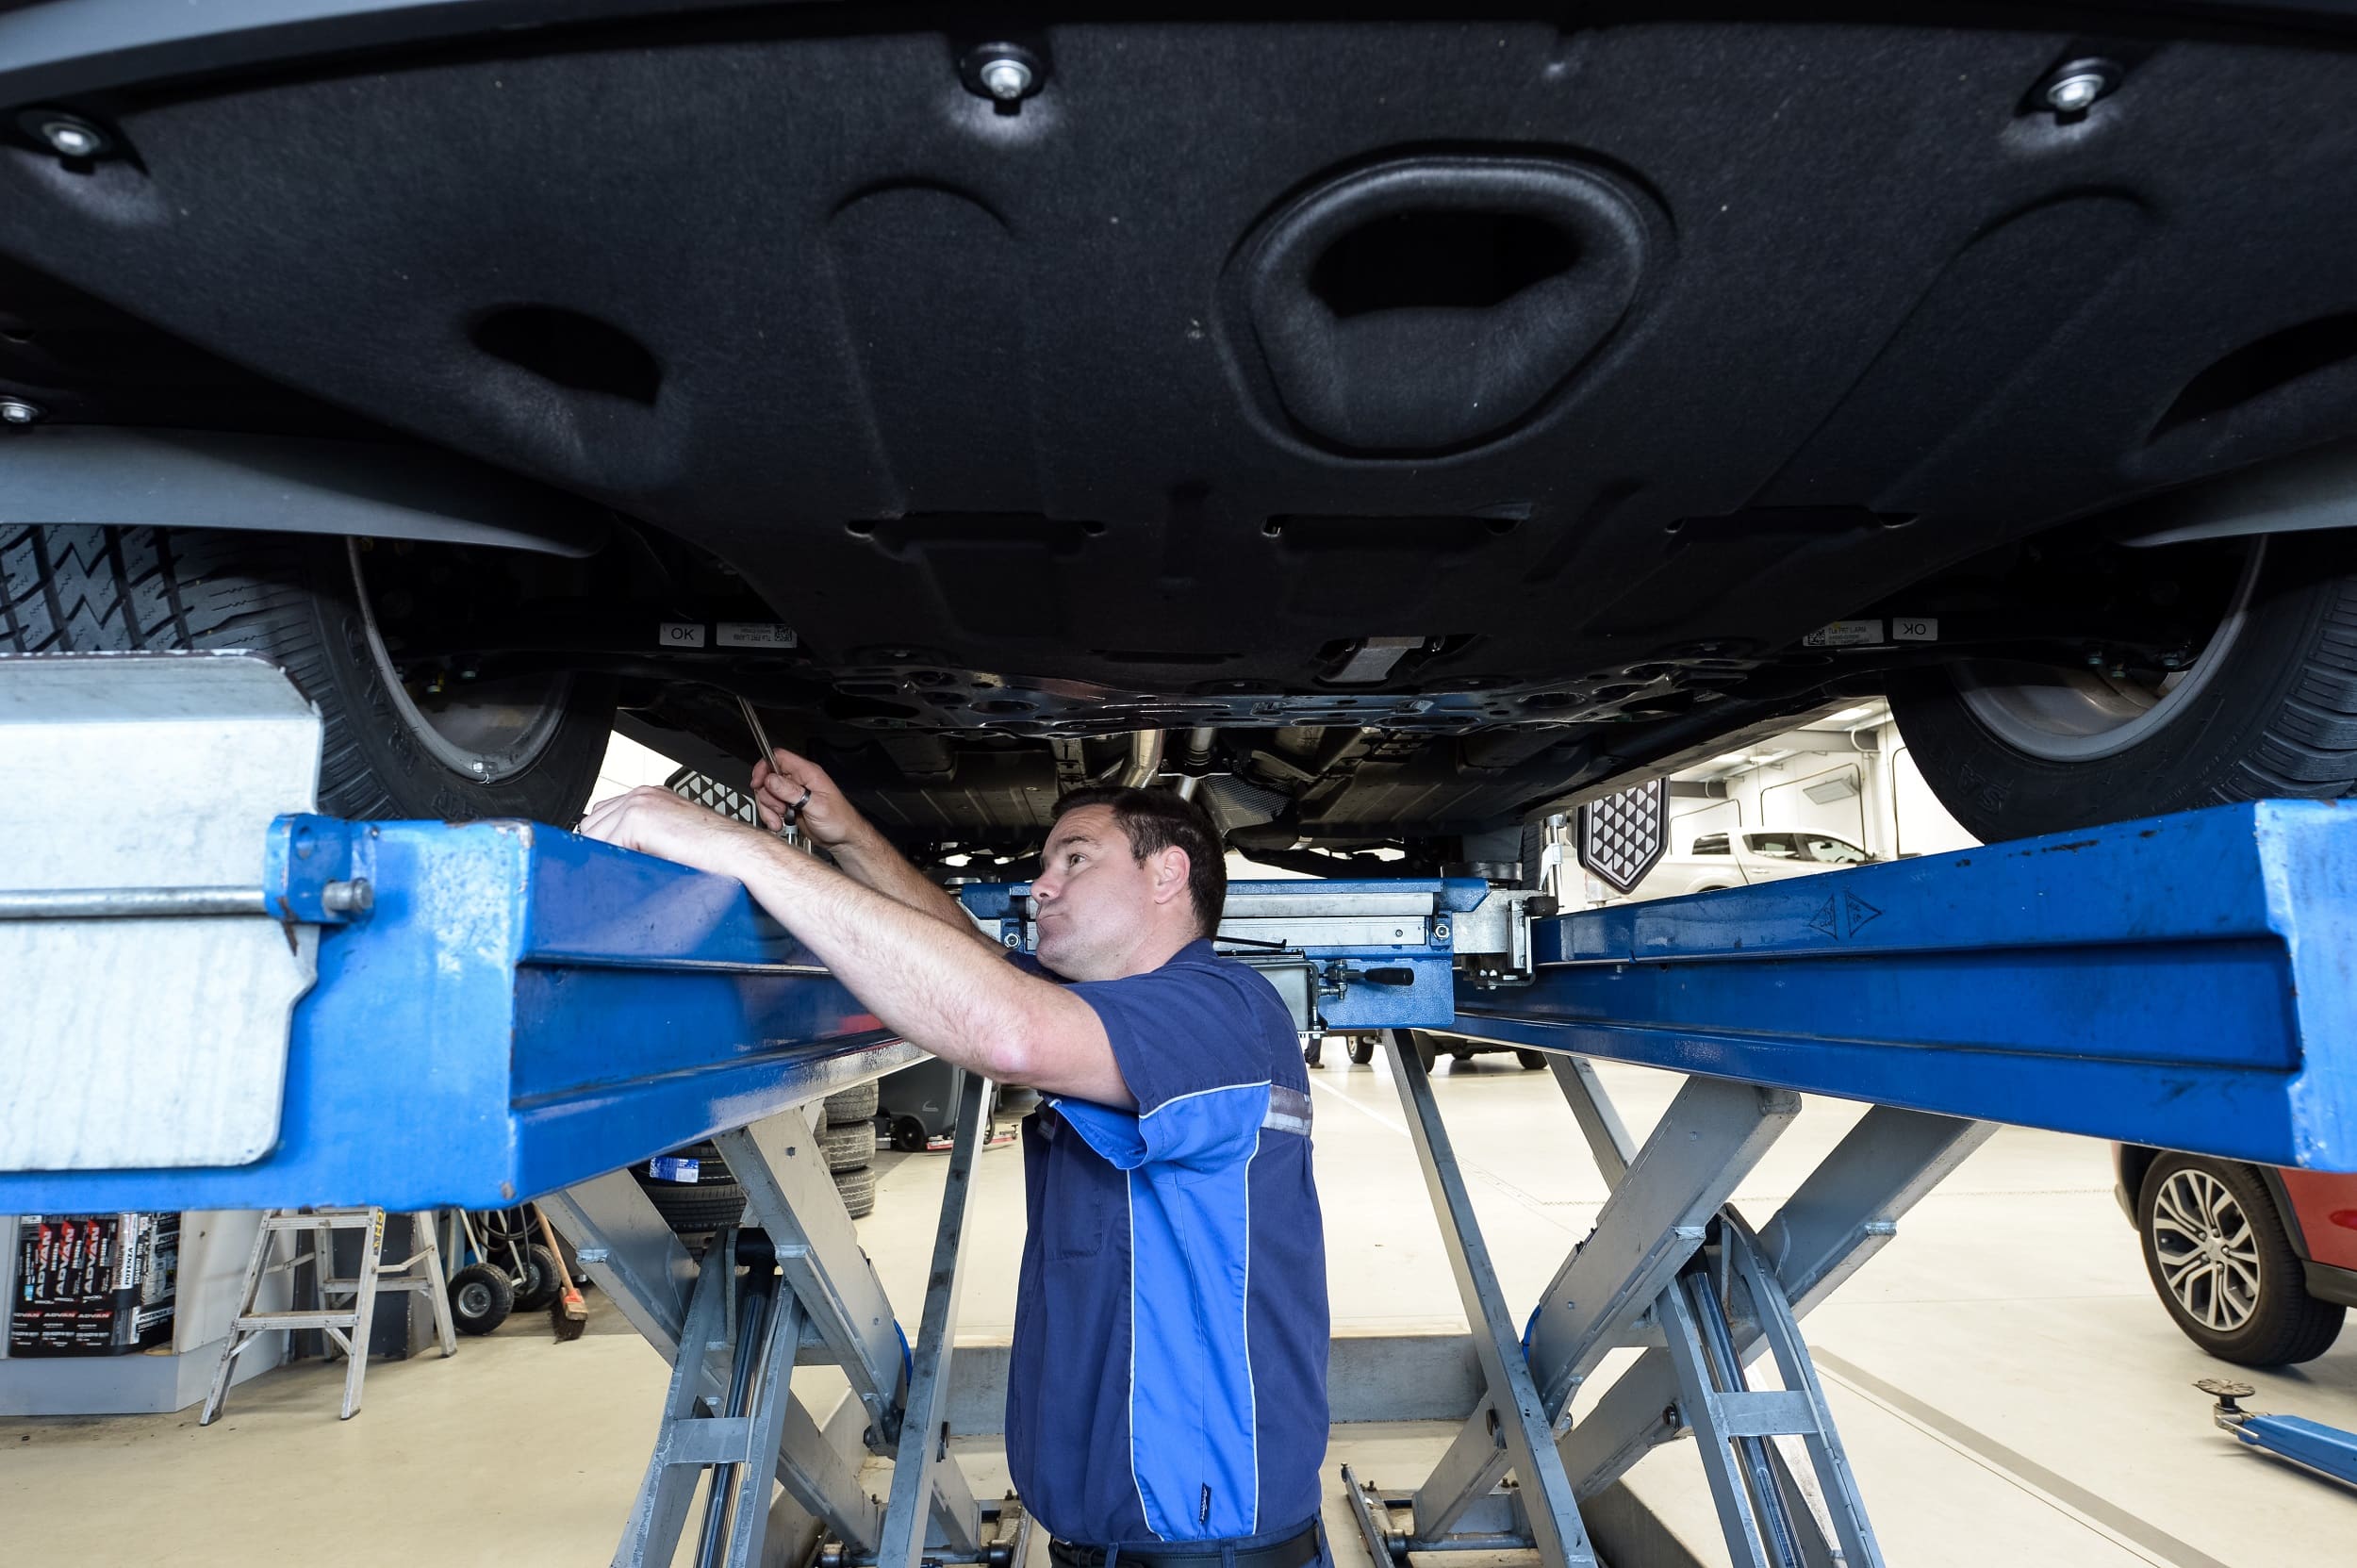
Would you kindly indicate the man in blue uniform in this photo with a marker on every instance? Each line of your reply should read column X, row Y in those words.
column 1166, row 1401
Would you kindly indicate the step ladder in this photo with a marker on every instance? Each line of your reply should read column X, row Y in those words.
column 346, row 1325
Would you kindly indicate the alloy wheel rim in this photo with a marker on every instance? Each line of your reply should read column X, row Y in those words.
column 2207, row 1251
column 492, row 732
column 2086, row 715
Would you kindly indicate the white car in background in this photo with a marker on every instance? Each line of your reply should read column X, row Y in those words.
column 1734, row 860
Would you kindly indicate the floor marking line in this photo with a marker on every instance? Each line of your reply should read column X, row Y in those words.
column 2108, row 1518
column 1366, row 1110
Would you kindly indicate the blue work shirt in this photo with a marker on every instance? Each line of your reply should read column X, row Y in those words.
column 1168, row 1377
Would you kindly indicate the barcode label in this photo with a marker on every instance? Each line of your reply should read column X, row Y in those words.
column 1844, row 634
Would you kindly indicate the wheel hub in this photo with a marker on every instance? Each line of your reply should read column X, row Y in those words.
column 2078, row 716
column 2207, row 1253
column 486, row 732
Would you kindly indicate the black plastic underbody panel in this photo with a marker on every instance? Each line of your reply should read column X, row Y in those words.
column 1602, row 358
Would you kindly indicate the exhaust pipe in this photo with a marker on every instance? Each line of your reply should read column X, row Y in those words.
column 1145, row 762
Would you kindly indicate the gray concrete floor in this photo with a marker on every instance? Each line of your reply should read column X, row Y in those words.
column 2008, row 1387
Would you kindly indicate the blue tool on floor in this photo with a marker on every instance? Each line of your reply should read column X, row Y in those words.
column 2326, row 1451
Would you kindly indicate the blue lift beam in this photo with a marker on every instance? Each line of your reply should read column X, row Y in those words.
column 505, row 1011
column 2182, row 982
column 522, row 1008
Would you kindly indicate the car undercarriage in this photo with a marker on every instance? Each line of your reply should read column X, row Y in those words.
column 1401, row 428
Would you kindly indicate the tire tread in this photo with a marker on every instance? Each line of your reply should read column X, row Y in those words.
column 71, row 588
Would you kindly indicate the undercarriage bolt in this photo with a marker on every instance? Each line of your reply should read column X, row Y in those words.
column 17, row 411
column 70, row 135
column 2073, row 93
column 2075, row 85
column 1006, row 78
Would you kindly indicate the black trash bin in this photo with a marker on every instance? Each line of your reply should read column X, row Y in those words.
column 920, row 1102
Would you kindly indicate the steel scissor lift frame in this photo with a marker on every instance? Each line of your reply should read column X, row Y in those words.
column 493, row 1010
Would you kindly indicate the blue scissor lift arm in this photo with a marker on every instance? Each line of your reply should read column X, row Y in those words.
column 506, row 1012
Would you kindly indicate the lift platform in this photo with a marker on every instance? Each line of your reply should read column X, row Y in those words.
column 243, row 1004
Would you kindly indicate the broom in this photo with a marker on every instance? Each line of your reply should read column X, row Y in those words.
column 568, row 1314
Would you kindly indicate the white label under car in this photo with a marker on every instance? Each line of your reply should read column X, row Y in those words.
column 681, row 634
column 1844, row 634
column 754, row 634
column 1917, row 630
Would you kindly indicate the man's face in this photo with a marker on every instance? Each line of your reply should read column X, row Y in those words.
column 1097, row 901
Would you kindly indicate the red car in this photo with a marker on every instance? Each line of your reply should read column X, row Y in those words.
column 2257, row 1265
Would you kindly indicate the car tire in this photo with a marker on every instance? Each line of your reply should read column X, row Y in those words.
column 699, row 1208
column 858, row 1191
column 297, row 599
column 2247, row 1302
column 695, row 1208
column 480, row 1299
column 849, row 1146
column 1361, row 1050
column 854, row 1105
column 2268, row 709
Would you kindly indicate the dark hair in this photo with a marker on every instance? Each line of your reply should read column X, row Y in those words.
column 1158, row 819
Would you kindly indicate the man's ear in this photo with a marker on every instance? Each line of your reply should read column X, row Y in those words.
column 1171, row 867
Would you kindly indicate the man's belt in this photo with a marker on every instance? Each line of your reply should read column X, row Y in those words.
column 1292, row 1552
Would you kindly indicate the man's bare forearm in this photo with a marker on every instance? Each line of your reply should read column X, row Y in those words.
column 961, row 1000
column 868, row 858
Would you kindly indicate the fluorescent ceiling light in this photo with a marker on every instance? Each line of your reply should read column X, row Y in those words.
column 1837, row 786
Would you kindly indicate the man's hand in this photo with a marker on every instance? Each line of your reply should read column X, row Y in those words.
column 786, row 781
column 922, row 967
column 657, row 823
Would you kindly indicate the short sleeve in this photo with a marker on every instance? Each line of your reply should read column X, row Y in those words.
column 1197, row 1046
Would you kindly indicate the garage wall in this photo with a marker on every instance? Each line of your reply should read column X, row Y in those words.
column 1689, row 818
column 1892, row 814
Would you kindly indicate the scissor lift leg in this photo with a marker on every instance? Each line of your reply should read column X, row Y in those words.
column 1844, row 1213
column 1668, row 1265
column 922, row 1469
column 740, row 1332
column 1510, row 1429
column 734, row 1336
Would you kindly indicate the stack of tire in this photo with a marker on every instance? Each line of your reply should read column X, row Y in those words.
column 697, row 1195
column 701, row 1203
column 849, row 1139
